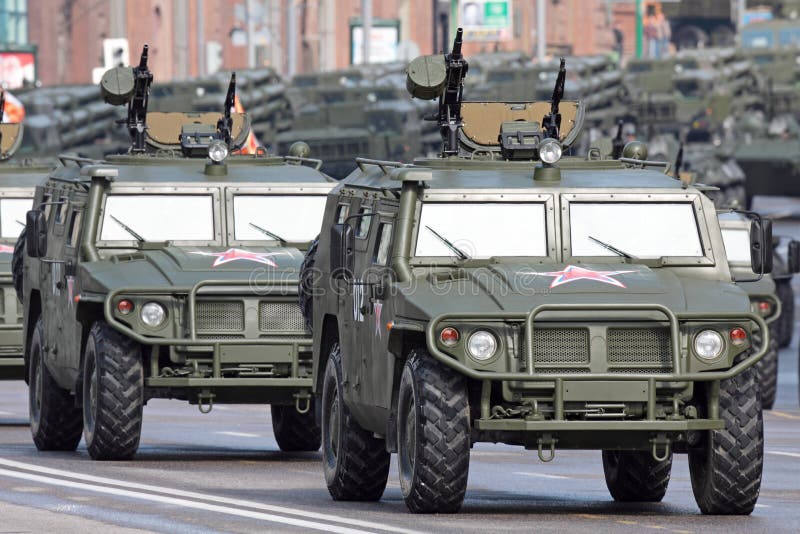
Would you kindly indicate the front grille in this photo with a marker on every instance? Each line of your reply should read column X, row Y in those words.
column 220, row 336
column 280, row 316
column 568, row 346
column 220, row 316
column 636, row 347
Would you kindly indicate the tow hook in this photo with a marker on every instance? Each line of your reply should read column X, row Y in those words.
column 302, row 402
column 661, row 441
column 549, row 442
column 205, row 401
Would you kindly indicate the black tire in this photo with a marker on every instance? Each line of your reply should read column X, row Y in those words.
column 767, row 369
column 635, row 476
column 725, row 466
column 306, row 290
column 113, row 394
column 433, row 435
column 295, row 431
column 17, row 264
column 56, row 423
column 785, row 294
column 356, row 463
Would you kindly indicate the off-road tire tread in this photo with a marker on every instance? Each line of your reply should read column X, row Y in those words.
column 118, row 424
column 60, row 419
column 17, row 264
column 443, row 423
column 734, row 481
column 785, row 293
column 640, row 478
column 305, row 291
column 295, row 431
column 364, row 461
column 767, row 369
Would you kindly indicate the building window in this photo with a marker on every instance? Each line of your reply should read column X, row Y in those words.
column 14, row 22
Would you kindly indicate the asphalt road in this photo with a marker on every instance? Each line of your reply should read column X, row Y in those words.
column 223, row 472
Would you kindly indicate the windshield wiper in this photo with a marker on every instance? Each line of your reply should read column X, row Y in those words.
column 128, row 229
column 613, row 249
column 267, row 233
column 460, row 253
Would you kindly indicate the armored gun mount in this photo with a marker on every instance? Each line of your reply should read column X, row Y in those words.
column 194, row 134
column 10, row 133
column 493, row 130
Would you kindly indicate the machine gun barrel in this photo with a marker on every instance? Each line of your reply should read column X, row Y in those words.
column 551, row 123
column 137, row 106
column 679, row 161
column 618, row 143
column 450, row 100
column 225, row 123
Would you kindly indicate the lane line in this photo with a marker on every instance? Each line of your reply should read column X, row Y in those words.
column 185, row 503
column 237, row 434
column 781, row 453
column 203, row 496
column 784, row 415
column 542, row 475
column 6, row 413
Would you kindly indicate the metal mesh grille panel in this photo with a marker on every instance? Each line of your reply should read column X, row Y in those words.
column 635, row 346
column 220, row 316
column 281, row 316
column 561, row 345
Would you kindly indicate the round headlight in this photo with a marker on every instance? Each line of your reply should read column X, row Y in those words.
column 153, row 314
column 708, row 344
column 217, row 151
column 482, row 345
column 550, row 151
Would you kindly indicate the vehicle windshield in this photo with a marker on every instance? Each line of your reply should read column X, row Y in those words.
column 737, row 244
column 757, row 39
column 789, row 37
column 642, row 230
column 483, row 230
column 158, row 218
column 12, row 213
column 295, row 218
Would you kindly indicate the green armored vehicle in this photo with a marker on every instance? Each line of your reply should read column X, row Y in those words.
column 17, row 182
column 168, row 274
column 764, row 297
column 502, row 293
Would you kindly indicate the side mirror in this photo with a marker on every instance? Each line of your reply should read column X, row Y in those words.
column 761, row 246
column 342, row 251
column 36, row 235
column 793, row 256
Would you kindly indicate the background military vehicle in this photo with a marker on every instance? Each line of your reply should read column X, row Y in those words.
column 17, row 181
column 764, row 298
column 156, row 274
column 491, row 295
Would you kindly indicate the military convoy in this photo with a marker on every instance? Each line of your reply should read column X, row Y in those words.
column 167, row 272
column 504, row 293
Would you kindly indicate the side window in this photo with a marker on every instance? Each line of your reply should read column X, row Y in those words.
column 46, row 205
column 362, row 230
column 342, row 211
column 61, row 212
column 383, row 244
column 74, row 227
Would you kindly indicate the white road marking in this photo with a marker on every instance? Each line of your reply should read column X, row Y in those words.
column 211, row 498
column 781, row 453
column 763, row 506
column 185, row 503
column 6, row 413
column 542, row 475
column 238, row 434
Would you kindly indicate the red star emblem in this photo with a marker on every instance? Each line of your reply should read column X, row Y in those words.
column 234, row 254
column 572, row 273
column 7, row 249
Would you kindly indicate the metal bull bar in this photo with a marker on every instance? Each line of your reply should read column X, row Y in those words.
column 678, row 374
column 192, row 339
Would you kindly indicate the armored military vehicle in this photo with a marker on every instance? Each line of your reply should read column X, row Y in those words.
column 503, row 293
column 167, row 272
column 17, row 181
column 764, row 298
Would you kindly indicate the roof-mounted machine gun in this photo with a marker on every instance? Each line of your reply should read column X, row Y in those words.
column 551, row 123
column 225, row 123
column 131, row 86
column 442, row 76
column 216, row 141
